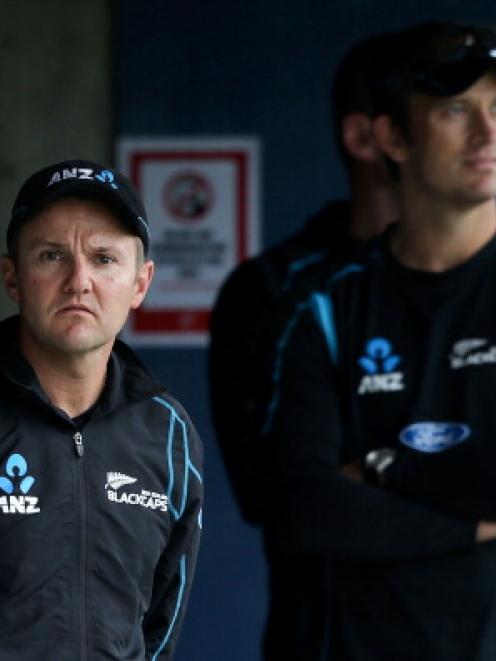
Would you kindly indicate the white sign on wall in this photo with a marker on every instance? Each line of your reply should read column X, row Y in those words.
column 202, row 200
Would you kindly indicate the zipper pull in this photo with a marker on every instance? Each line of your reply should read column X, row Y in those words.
column 78, row 442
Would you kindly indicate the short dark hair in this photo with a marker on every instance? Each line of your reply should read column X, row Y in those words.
column 352, row 89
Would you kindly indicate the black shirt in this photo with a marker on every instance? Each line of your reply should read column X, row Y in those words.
column 388, row 356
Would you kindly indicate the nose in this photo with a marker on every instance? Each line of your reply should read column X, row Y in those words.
column 484, row 127
column 78, row 279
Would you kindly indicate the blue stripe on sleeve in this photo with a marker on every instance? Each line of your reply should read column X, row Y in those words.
column 301, row 264
column 347, row 270
column 322, row 308
column 321, row 305
column 278, row 364
column 188, row 465
column 182, row 583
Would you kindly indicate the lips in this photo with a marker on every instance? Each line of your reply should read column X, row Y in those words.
column 481, row 161
column 75, row 309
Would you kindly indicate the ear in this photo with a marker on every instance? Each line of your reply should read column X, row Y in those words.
column 142, row 283
column 389, row 139
column 9, row 276
column 358, row 137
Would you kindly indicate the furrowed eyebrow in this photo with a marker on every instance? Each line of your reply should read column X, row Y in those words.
column 43, row 243
column 103, row 248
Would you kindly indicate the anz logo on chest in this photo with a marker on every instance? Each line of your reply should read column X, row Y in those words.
column 15, row 487
column 380, row 366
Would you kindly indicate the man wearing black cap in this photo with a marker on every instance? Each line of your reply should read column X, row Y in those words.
column 251, row 310
column 100, row 486
column 384, row 423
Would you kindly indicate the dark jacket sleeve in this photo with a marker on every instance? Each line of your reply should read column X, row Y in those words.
column 310, row 507
column 460, row 481
column 240, row 356
column 174, row 573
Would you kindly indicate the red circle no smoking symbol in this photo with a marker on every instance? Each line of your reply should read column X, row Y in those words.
column 188, row 196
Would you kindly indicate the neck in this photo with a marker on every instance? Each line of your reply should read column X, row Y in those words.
column 374, row 200
column 73, row 385
column 434, row 237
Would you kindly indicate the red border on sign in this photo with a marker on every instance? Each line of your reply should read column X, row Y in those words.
column 191, row 320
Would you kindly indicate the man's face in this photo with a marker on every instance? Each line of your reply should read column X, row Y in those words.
column 451, row 147
column 75, row 278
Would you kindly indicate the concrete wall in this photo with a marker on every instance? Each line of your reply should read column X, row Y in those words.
column 55, row 91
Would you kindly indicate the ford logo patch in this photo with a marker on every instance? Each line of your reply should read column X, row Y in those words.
column 434, row 436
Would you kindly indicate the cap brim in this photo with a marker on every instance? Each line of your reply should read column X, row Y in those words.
column 454, row 78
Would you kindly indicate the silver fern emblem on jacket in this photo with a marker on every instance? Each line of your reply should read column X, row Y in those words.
column 117, row 480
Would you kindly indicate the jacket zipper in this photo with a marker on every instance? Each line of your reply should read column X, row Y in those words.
column 78, row 443
column 82, row 544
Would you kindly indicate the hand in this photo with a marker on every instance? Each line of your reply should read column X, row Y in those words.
column 353, row 470
column 486, row 531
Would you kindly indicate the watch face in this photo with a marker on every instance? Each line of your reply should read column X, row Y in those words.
column 380, row 459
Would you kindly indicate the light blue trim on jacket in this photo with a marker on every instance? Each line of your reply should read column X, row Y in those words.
column 182, row 583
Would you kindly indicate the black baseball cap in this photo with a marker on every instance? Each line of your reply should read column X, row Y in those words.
column 441, row 58
column 84, row 179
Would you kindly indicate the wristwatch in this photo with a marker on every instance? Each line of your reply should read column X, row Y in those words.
column 375, row 463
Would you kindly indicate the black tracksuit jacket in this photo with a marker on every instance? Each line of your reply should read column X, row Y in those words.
column 382, row 355
column 99, row 516
column 251, row 310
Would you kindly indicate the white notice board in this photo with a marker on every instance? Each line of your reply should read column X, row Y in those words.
column 202, row 200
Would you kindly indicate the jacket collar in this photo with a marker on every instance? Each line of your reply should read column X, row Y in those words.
column 128, row 380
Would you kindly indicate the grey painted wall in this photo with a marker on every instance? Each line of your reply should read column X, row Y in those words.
column 55, row 91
